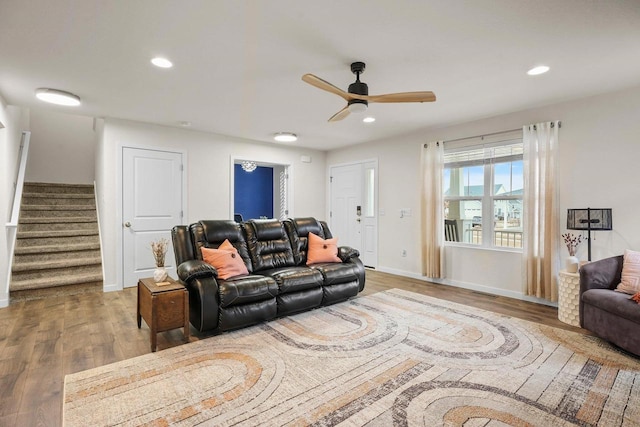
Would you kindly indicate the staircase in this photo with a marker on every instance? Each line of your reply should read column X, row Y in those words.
column 57, row 247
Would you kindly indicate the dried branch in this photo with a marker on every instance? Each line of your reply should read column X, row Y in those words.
column 159, row 250
column 572, row 242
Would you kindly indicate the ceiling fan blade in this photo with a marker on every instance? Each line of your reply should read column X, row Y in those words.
column 325, row 85
column 403, row 97
column 340, row 114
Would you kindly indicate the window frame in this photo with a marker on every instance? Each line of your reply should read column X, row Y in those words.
column 488, row 198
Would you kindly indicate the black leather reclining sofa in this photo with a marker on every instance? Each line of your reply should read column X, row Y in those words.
column 279, row 281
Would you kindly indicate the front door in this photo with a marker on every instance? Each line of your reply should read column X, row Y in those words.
column 152, row 203
column 353, row 208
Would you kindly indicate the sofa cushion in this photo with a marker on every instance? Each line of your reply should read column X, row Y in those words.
column 227, row 261
column 630, row 277
column 614, row 302
column 322, row 250
column 246, row 289
column 334, row 273
column 295, row 279
column 268, row 245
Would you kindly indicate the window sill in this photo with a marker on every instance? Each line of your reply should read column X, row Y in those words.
column 482, row 248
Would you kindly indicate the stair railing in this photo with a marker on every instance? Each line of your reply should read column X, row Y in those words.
column 12, row 225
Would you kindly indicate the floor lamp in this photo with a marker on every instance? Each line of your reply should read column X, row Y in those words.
column 590, row 220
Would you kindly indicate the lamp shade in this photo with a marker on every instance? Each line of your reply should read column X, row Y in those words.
column 589, row 219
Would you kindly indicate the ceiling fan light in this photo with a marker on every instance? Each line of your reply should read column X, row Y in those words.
column 58, row 97
column 538, row 70
column 161, row 62
column 357, row 107
column 285, row 137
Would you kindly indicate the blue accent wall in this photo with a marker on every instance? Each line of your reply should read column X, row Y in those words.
column 253, row 192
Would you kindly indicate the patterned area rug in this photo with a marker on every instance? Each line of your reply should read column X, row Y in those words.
column 394, row 358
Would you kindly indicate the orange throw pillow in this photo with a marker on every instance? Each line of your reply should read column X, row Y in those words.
column 321, row 250
column 226, row 260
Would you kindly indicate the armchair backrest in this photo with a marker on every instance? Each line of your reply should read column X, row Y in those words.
column 211, row 234
column 298, row 230
column 182, row 244
column 268, row 244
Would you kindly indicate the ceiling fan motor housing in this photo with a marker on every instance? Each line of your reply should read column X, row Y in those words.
column 358, row 88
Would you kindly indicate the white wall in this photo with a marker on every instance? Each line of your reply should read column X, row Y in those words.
column 209, row 166
column 599, row 153
column 62, row 148
column 14, row 120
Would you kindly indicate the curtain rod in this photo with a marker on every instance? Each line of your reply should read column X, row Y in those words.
column 495, row 133
column 482, row 136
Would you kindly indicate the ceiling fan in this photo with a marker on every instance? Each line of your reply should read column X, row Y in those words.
column 358, row 97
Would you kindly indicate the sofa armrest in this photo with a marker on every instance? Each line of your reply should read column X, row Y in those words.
column 350, row 255
column 195, row 269
column 200, row 280
column 345, row 253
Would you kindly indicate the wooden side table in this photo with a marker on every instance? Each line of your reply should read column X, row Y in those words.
column 163, row 307
column 569, row 298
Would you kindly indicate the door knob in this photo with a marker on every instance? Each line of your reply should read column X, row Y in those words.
column 127, row 224
column 358, row 219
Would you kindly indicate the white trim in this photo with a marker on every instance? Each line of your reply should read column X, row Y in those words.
column 261, row 161
column 470, row 286
column 119, row 252
column 95, row 196
column 111, row 288
column 12, row 225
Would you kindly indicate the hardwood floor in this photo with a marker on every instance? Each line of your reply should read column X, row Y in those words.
column 41, row 341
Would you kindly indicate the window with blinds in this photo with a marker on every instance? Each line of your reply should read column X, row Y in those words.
column 483, row 189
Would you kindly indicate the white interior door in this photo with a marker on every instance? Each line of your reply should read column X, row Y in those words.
column 354, row 208
column 152, row 203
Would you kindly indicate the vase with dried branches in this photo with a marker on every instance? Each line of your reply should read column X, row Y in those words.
column 159, row 249
column 572, row 242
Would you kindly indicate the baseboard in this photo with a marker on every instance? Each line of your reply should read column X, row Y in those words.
column 470, row 286
column 112, row 288
column 4, row 302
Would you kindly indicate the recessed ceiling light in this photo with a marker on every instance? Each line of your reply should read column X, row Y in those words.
column 369, row 119
column 184, row 123
column 538, row 70
column 161, row 62
column 285, row 137
column 58, row 97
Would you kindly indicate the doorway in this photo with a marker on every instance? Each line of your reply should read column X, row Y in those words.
column 259, row 190
column 354, row 207
column 152, row 203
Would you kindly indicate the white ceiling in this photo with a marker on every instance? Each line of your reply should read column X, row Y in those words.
column 238, row 64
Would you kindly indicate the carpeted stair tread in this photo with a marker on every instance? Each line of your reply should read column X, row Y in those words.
column 58, row 226
column 69, row 247
column 56, row 241
column 59, row 195
column 38, row 187
column 51, row 264
column 57, row 219
column 55, row 280
column 51, row 273
column 56, row 233
column 58, row 208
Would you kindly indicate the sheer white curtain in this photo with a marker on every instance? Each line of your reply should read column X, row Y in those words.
column 541, row 259
column 432, row 210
